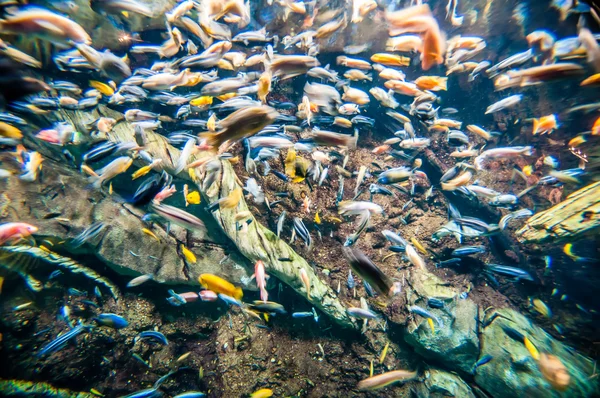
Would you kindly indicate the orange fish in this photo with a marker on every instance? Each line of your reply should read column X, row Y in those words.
column 596, row 127
column 433, row 83
column 545, row 124
column 404, row 88
column 390, row 59
column 12, row 230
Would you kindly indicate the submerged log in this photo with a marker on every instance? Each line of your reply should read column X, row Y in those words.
column 255, row 242
column 577, row 215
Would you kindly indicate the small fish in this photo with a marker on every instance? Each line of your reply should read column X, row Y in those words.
column 151, row 234
column 262, row 393
column 61, row 341
column 280, row 221
column 230, row 300
column 482, row 361
column 150, row 334
column 111, row 320
column 541, row 307
column 189, row 256
column 140, row 279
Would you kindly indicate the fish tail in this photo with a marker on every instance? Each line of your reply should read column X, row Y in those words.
column 536, row 125
column 238, row 293
column 211, row 138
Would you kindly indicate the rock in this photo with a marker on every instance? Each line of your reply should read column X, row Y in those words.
column 254, row 242
column 438, row 384
column 21, row 388
column 513, row 372
column 567, row 220
column 455, row 344
column 63, row 194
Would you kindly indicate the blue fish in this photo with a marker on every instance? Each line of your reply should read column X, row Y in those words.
column 368, row 289
column 351, row 282
column 280, row 175
column 485, row 359
column 230, row 300
column 112, row 321
column 468, row 250
column 302, row 314
column 176, row 299
column 89, row 303
column 435, row 303
column 55, row 274
column 190, row 394
column 76, row 292
column 59, row 342
column 151, row 334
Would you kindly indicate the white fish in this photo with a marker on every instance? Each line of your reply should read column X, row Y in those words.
column 504, row 103
column 255, row 190
column 139, row 280
column 184, row 155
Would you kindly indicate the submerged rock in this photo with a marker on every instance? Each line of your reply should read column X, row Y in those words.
column 438, row 384
column 513, row 371
column 62, row 207
column 455, row 342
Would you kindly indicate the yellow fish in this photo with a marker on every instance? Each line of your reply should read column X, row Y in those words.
column 201, row 101
column 290, row 163
column 317, row 218
column 1, row 283
column 211, row 124
column 531, row 348
column 231, row 200
column 262, row 393
column 220, row 285
column 390, row 59
column 541, row 307
column 96, row 392
column 190, row 257
column 8, row 131
column 110, row 189
column 297, row 180
column 150, row 233
column 227, row 96
column 528, row 170
column 193, row 198
column 104, row 88
column 430, row 322
column 384, row 352
column 142, row 171
column 418, row 245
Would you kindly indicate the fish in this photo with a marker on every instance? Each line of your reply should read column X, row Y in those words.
column 368, row 271
column 507, row 102
column 260, row 276
column 220, row 285
column 385, row 379
column 269, row 307
column 140, row 280
column 15, row 230
column 426, row 314
column 541, row 307
column 302, row 231
column 111, row 320
column 306, row 281
column 178, row 216
column 60, row 341
column 262, row 393
column 152, row 335
column 482, row 361
column 517, row 273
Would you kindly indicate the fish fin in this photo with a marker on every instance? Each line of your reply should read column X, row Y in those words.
column 239, row 293
column 253, row 276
